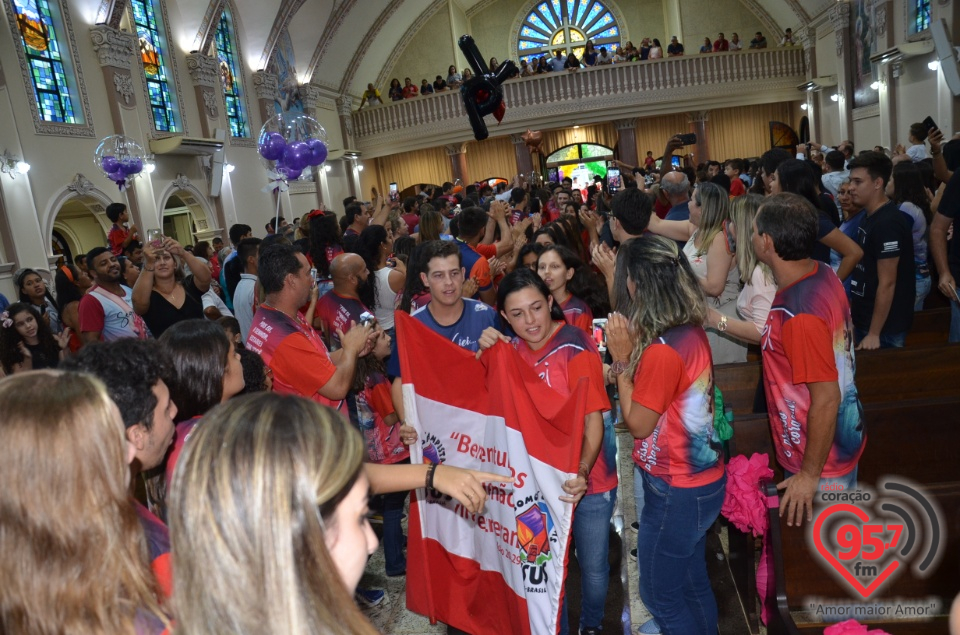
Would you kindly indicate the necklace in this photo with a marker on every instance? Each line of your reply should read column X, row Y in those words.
column 172, row 296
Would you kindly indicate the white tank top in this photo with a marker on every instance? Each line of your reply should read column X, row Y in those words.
column 386, row 298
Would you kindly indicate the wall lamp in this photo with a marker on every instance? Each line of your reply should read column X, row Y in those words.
column 12, row 165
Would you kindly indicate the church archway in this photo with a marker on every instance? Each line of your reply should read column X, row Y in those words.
column 76, row 219
column 185, row 214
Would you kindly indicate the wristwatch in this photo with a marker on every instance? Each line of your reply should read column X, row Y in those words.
column 722, row 324
column 618, row 367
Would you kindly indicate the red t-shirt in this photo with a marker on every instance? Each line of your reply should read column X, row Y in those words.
column 562, row 361
column 336, row 312
column 675, row 378
column 578, row 314
column 737, row 188
column 808, row 338
column 368, row 410
column 116, row 237
column 295, row 353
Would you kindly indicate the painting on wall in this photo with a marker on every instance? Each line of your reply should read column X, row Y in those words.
column 283, row 64
column 863, row 35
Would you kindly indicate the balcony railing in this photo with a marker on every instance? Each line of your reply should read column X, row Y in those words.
column 589, row 95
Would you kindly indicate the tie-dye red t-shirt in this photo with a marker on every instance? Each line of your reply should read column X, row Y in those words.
column 808, row 338
column 675, row 378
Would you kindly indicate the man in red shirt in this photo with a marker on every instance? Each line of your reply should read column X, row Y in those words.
column 341, row 306
column 721, row 44
column 808, row 360
column 473, row 221
column 291, row 348
column 409, row 89
column 120, row 236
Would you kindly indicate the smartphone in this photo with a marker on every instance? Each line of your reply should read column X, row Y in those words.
column 394, row 193
column 155, row 238
column 553, row 175
column 600, row 333
column 929, row 124
column 613, row 180
column 313, row 274
column 688, row 139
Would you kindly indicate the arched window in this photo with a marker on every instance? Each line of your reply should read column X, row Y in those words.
column 230, row 74
column 39, row 24
column 153, row 52
column 918, row 16
column 566, row 25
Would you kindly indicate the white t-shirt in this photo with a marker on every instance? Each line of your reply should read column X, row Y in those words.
column 756, row 298
column 917, row 153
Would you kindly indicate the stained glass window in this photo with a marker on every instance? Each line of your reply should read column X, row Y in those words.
column 152, row 52
column 230, row 76
column 920, row 16
column 45, row 59
column 566, row 26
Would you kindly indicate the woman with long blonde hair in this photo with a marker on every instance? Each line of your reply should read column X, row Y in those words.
column 709, row 251
column 73, row 557
column 759, row 287
column 664, row 371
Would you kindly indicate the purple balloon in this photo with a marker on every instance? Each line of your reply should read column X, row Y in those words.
column 272, row 147
column 318, row 151
column 109, row 164
column 118, row 177
column 291, row 174
column 131, row 166
column 297, row 155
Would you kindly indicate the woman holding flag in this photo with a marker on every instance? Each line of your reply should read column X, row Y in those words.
column 664, row 374
column 563, row 354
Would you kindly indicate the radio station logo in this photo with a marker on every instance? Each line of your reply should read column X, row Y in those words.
column 534, row 527
column 868, row 538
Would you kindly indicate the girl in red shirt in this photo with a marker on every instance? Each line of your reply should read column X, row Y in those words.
column 563, row 354
column 663, row 363
column 573, row 286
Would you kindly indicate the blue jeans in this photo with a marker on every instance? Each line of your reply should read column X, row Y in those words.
column 896, row 340
column 396, row 561
column 923, row 290
column 846, row 483
column 674, row 584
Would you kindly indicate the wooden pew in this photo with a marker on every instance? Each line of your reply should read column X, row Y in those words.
column 930, row 326
column 916, row 439
column 881, row 376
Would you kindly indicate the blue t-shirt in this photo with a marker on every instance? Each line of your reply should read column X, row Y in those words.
column 465, row 332
column 4, row 302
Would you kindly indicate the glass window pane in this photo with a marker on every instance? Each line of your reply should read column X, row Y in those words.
column 152, row 46
column 35, row 22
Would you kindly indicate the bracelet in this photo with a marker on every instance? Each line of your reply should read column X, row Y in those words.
column 430, row 471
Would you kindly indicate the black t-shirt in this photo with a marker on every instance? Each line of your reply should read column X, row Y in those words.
column 41, row 359
column 830, row 207
column 824, row 226
column 162, row 315
column 950, row 207
column 887, row 233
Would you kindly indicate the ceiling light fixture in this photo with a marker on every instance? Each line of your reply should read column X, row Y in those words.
column 834, row 97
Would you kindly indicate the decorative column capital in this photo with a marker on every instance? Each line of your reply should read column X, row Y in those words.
column 625, row 124
column 114, row 47
column 838, row 38
column 266, row 85
column 345, row 105
column 455, row 148
column 204, row 70
column 310, row 96
column 808, row 37
column 701, row 116
column 840, row 16
column 517, row 139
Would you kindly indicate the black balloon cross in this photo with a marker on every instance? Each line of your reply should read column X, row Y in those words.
column 482, row 94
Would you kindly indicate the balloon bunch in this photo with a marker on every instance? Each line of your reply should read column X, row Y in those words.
column 120, row 159
column 289, row 146
column 482, row 94
column 532, row 139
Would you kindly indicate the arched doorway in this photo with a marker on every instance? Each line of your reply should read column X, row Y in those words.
column 79, row 225
column 185, row 215
column 579, row 161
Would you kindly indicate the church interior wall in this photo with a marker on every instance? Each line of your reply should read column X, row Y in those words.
column 708, row 18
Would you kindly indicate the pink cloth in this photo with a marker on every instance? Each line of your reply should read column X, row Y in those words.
column 851, row 627
column 743, row 503
column 745, row 506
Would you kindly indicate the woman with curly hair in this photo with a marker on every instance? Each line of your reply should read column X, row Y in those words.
column 26, row 342
column 73, row 555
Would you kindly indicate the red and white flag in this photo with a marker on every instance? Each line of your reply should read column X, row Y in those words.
column 502, row 570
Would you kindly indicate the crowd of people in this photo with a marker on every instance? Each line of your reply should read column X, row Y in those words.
column 255, row 389
column 561, row 60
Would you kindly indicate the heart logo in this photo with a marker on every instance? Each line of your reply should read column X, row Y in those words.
column 830, row 557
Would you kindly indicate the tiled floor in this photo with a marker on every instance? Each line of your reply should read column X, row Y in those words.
column 392, row 617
